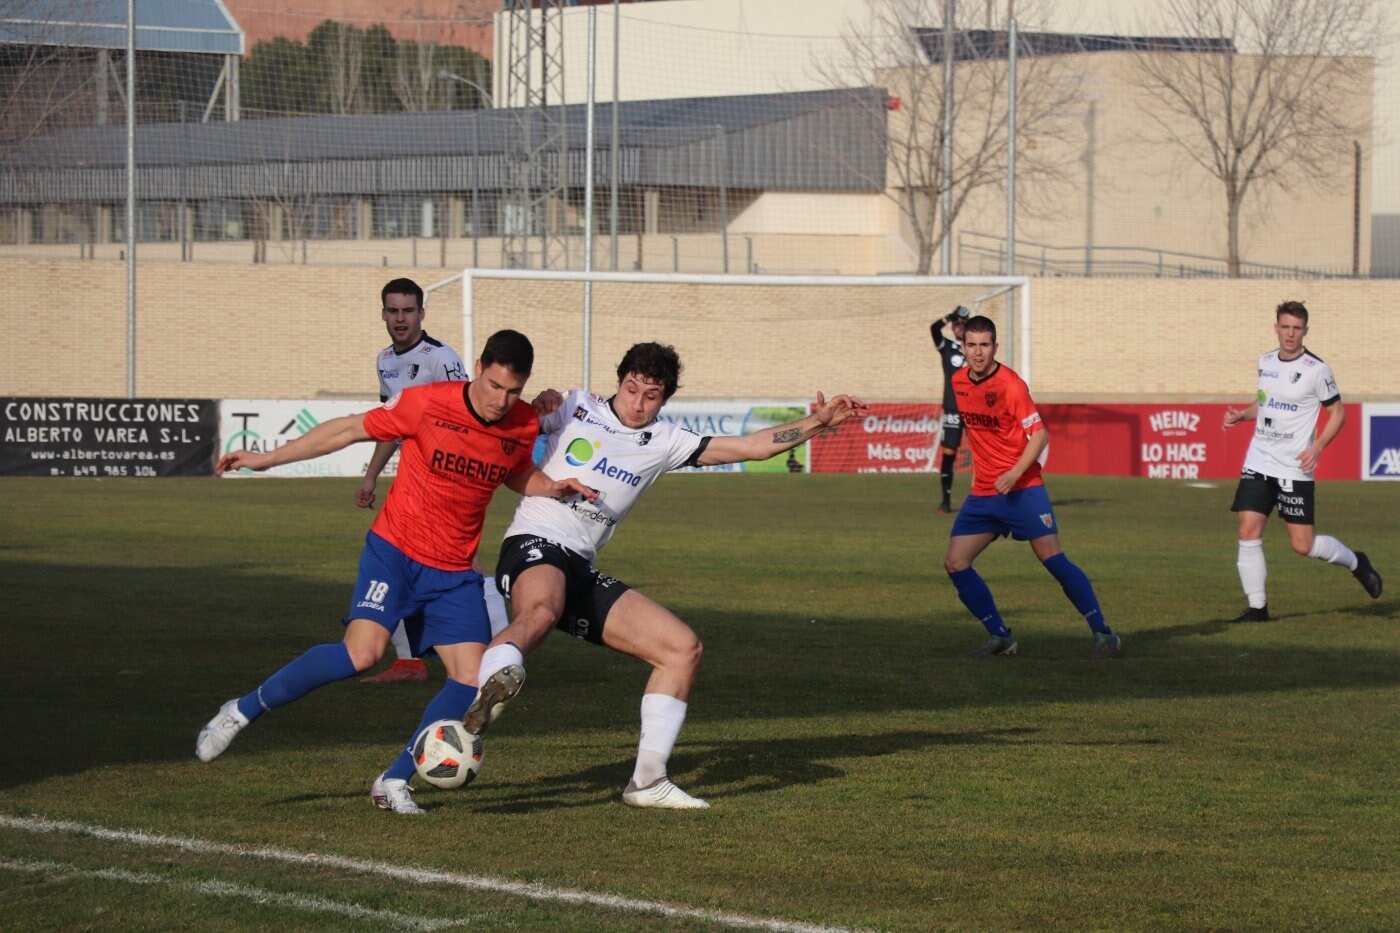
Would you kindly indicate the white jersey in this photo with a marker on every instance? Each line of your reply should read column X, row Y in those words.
column 1291, row 392
column 426, row 361
column 584, row 439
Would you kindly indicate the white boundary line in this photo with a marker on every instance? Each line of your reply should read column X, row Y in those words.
column 385, row 919
column 424, row 876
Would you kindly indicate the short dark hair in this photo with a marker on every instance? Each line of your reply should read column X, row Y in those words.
column 654, row 363
column 1294, row 308
column 981, row 324
column 402, row 287
column 511, row 349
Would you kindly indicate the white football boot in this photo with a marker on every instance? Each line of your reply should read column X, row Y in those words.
column 395, row 795
column 663, row 795
column 219, row 733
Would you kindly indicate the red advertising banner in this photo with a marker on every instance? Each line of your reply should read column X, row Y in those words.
column 1170, row 442
column 890, row 439
column 1181, row 442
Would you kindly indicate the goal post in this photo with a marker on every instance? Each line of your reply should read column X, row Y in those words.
column 752, row 338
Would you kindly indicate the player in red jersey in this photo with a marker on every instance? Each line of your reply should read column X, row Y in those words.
column 413, row 358
column 1008, row 496
column 460, row 442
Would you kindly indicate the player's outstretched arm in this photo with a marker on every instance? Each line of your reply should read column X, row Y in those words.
column 761, row 445
column 535, row 482
column 1234, row 416
column 325, row 438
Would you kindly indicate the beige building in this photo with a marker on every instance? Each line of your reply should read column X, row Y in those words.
column 746, row 186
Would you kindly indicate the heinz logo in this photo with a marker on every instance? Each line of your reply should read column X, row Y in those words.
column 1176, row 422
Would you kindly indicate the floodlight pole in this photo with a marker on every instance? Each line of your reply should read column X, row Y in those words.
column 588, row 194
column 945, row 252
column 482, row 97
column 1011, row 95
column 612, row 168
column 130, row 198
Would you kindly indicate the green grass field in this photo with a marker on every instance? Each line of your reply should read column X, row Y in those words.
column 862, row 771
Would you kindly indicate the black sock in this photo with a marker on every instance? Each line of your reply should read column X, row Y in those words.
column 945, row 474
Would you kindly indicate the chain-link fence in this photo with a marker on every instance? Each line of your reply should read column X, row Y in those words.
column 880, row 147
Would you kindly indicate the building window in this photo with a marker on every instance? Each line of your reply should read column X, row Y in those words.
column 629, row 210
column 156, row 222
column 320, row 219
column 221, row 220
column 412, row 215
column 60, row 223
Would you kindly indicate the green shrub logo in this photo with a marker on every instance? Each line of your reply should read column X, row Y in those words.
column 580, row 451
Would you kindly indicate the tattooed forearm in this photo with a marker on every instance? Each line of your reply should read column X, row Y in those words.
column 783, row 437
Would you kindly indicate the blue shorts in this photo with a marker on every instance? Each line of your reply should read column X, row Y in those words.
column 1025, row 514
column 438, row 607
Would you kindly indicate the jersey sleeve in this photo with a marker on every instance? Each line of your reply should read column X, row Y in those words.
column 682, row 445
column 939, row 341
column 1327, row 391
column 398, row 417
column 447, row 366
column 384, row 392
column 1022, row 407
column 523, row 431
column 555, row 421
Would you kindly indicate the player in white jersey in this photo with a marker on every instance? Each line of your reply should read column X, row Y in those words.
column 1294, row 386
column 618, row 447
column 411, row 359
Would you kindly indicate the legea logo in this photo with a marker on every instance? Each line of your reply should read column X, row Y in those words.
column 580, row 451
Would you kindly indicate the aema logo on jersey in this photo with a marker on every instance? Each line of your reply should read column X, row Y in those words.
column 580, row 451
column 1383, row 452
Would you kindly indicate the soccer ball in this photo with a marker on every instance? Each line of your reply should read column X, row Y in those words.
column 446, row 755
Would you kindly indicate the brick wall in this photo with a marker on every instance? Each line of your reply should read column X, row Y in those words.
column 307, row 331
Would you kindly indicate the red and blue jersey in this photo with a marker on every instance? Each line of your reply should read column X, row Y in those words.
column 998, row 417
column 450, row 464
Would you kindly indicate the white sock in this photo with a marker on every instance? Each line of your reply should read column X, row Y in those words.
column 498, row 657
column 1328, row 548
column 662, row 718
column 400, row 639
column 1253, row 572
column 495, row 607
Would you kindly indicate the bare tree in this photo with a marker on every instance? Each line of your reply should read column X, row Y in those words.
column 1267, row 94
column 415, row 79
column 48, row 80
column 342, row 48
column 900, row 48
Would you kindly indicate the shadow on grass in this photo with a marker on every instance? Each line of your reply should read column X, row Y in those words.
column 727, row 770
column 139, row 658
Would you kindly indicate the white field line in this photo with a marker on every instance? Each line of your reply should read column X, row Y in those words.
column 384, row 919
column 424, row 876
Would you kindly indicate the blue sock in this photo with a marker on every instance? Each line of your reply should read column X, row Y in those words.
column 450, row 703
column 1080, row 591
column 319, row 666
column 975, row 595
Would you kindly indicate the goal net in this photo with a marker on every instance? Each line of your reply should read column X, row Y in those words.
column 756, row 349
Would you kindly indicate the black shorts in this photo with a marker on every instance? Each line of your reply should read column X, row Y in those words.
column 588, row 594
column 952, row 430
column 1259, row 493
